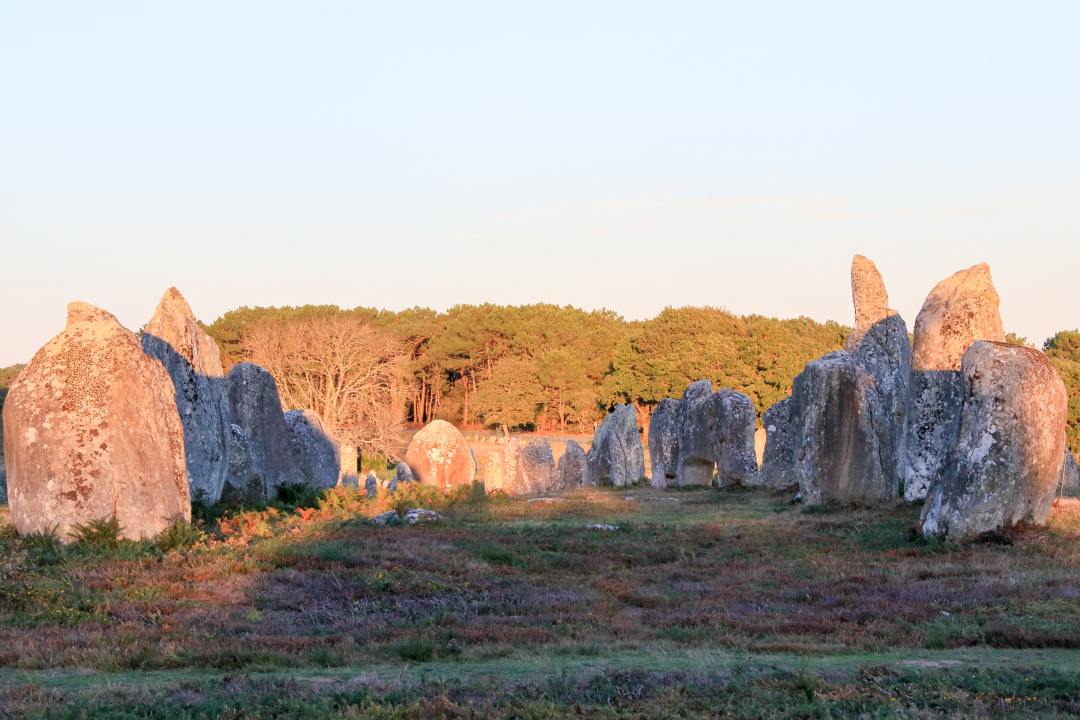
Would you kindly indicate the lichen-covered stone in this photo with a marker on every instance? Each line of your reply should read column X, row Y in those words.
column 193, row 361
column 1008, row 457
column 870, row 298
column 716, row 432
column 616, row 456
column 838, row 450
column 778, row 465
column 527, row 467
column 570, row 470
column 664, row 441
column 316, row 452
column 439, row 456
column 255, row 408
column 960, row 310
column 91, row 431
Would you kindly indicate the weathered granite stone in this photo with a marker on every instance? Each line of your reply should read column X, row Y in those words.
column 870, row 298
column 664, row 441
column 778, row 466
column 371, row 484
column 837, row 446
column 570, row 470
column 528, row 467
column 1070, row 474
column 255, row 408
column 961, row 309
column 193, row 361
column 439, row 456
column 716, row 431
column 315, row 451
column 1007, row 461
column 616, row 456
column 91, row 431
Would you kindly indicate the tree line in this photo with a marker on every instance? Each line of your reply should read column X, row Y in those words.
column 538, row 367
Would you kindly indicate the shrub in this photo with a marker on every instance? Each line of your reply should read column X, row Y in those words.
column 102, row 533
column 179, row 534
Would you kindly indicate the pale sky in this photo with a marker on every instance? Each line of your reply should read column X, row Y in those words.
column 600, row 154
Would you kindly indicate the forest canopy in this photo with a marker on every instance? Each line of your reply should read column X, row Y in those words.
column 558, row 368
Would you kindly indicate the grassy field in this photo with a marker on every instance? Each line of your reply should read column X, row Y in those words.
column 700, row 603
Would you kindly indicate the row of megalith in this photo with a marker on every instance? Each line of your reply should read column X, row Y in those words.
column 104, row 423
column 973, row 425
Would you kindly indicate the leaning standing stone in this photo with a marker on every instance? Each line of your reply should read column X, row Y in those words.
column 91, row 431
column 1010, row 448
column 193, row 361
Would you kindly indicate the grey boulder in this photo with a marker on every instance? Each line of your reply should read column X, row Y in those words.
column 778, row 465
column 1010, row 449
column 716, row 432
column 616, row 456
column 315, row 451
column 570, row 470
column 664, row 441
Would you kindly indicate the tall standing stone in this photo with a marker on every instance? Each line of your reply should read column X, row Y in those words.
column 255, row 409
column 315, row 450
column 1007, row 461
column 778, row 465
column 439, row 456
column 870, row 298
column 91, row 431
column 960, row 310
column 193, row 361
column 616, row 456
column 664, row 441
column 570, row 470
column 837, row 447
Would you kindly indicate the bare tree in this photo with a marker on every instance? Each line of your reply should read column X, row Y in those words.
column 350, row 372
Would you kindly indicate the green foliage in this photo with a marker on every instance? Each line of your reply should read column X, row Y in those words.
column 755, row 355
column 550, row 367
column 101, row 533
column 178, row 535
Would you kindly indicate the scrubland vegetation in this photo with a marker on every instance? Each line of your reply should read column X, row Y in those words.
column 699, row 603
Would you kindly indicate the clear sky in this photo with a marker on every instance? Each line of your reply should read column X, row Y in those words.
column 601, row 154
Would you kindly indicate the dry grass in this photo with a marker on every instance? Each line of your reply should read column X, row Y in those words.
column 513, row 578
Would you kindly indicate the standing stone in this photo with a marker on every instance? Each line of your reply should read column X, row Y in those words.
column 371, row 485
column 570, row 470
column 439, row 456
column 616, row 456
column 664, row 441
column 256, row 409
column 1008, row 457
column 316, row 452
column 870, row 298
column 716, row 431
column 837, row 448
column 403, row 473
column 1070, row 474
column 527, row 467
column 91, row 431
column 696, row 436
column 848, row 409
column 960, row 310
column 193, row 361
column 778, row 465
